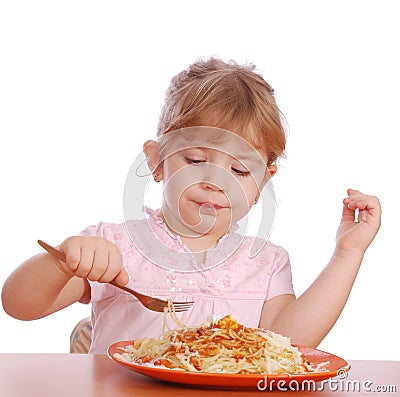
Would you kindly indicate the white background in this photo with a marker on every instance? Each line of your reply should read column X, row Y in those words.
column 81, row 87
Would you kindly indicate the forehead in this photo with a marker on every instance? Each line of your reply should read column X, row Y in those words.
column 210, row 138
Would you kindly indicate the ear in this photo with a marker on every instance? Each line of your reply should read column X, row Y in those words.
column 272, row 170
column 151, row 150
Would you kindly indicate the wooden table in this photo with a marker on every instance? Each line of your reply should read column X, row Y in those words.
column 75, row 375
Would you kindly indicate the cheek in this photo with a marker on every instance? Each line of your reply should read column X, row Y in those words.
column 241, row 199
column 175, row 181
column 252, row 193
column 178, row 194
column 244, row 192
column 170, row 167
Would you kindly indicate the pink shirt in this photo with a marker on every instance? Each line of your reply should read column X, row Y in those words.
column 238, row 285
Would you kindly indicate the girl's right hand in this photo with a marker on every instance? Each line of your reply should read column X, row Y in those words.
column 93, row 258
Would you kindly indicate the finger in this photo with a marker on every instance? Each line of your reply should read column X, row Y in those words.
column 354, row 203
column 72, row 258
column 368, row 207
column 122, row 277
column 111, row 271
column 356, row 206
column 353, row 197
column 85, row 263
column 114, row 267
column 348, row 214
column 349, row 209
column 363, row 216
column 353, row 191
column 100, row 264
column 363, row 202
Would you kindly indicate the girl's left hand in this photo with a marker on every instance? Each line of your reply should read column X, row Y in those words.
column 357, row 234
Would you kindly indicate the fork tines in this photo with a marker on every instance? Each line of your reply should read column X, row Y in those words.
column 182, row 306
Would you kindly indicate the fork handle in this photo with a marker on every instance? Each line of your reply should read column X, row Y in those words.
column 52, row 251
column 131, row 291
column 61, row 256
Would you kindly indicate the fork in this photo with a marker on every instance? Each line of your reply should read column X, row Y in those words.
column 155, row 304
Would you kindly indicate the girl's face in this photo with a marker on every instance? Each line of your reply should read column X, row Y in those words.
column 211, row 177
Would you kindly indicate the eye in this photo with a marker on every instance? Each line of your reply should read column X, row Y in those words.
column 193, row 161
column 240, row 172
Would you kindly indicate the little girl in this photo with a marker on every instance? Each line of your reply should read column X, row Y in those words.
column 219, row 138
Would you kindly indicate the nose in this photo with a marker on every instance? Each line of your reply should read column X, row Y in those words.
column 216, row 179
column 211, row 186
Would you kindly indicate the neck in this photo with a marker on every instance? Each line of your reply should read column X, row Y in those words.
column 197, row 243
column 201, row 243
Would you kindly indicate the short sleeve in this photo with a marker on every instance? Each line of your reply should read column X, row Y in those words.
column 280, row 282
column 92, row 231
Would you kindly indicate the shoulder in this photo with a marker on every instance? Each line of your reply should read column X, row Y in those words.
column 259, row 249
column 104, row 229
column 120, row 234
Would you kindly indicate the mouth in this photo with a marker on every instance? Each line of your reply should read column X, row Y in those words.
column 209, row 206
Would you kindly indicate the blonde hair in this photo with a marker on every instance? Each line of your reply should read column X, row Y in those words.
column 229, row 96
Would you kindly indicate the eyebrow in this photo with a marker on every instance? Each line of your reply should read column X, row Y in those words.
column 241, row 157
column 249, row 157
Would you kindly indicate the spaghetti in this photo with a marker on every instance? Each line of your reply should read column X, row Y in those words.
column 222, row 346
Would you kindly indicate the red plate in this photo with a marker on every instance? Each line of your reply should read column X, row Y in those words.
column 337, row 367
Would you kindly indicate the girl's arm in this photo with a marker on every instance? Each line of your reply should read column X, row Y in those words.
column 309, row 318
column 38, row 287
column 43, row 284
